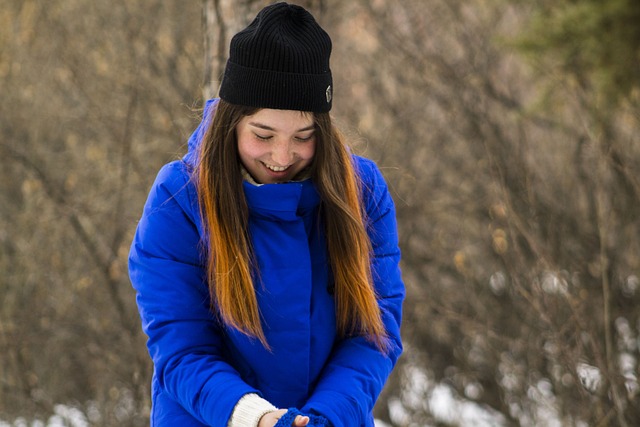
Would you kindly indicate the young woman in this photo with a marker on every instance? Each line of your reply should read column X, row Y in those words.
column 266, row 259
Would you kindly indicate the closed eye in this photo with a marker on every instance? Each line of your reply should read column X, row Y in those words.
column 263, row 137
column 304, row 138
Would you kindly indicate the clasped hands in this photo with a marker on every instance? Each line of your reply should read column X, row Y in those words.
column 292, row 418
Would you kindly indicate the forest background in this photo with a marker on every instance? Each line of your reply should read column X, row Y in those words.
column 507, row 130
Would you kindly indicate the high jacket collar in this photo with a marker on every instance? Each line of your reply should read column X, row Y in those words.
column 283, row 202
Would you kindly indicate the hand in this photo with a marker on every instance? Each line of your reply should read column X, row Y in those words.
column 271, row 418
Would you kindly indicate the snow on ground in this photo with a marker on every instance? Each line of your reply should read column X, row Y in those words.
column 64, row 416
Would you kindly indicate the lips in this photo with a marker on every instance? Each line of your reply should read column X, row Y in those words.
column 276, row 168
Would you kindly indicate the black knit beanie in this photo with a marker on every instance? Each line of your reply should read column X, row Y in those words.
column 280, row 61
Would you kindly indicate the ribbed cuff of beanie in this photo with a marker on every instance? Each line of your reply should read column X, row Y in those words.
column 248, row 411
column 314, row 420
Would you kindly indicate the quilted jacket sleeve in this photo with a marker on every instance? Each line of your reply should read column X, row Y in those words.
column 354, row 376
column 184, row 340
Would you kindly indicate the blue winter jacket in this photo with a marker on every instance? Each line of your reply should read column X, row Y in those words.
column 201, row 367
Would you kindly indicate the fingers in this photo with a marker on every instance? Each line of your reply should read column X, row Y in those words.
column 271, row 418
column 301, row 421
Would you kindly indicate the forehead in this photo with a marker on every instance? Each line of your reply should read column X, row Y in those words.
column 279, row 120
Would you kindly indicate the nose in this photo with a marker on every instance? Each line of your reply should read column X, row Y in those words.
column 281, row 153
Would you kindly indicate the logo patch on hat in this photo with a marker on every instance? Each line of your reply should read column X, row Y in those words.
column 328, row 93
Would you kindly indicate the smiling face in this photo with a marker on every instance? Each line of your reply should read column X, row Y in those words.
column 275, row 145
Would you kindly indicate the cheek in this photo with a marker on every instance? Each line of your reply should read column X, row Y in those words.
column 247, row 150
column 308, row 151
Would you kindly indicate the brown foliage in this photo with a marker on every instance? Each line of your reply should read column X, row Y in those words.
column 518, row 203
column 93, row 102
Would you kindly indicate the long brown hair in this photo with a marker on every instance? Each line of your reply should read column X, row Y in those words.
column 225, row 216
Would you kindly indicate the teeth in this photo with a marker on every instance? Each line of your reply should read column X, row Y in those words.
column 276, row 168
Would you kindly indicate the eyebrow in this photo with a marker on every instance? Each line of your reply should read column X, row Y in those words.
column 265, row 127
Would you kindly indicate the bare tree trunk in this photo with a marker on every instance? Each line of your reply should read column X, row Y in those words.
column 221, row 19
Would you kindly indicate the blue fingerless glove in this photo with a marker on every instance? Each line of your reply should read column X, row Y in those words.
column 314, row 420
